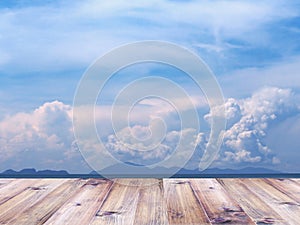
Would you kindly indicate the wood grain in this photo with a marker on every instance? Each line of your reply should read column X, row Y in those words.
column 81, row 208
column 151, row 208
column 13, row 188
column 25, row 199
column 45, row 207
column 260, row 211
column 120, row 205
column 149, row 201
column 288, row 208
column 5, row 181
column 219, row 206
column 182, row 205
column 286, row 186
column 295, row 180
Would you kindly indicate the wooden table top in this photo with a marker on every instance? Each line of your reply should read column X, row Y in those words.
column 150, row 201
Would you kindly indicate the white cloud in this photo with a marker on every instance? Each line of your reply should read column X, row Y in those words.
column 283, row 74
column 127, row 149
column 249, row 120
column 75, row 32
column 42, row 139
column 283, row 139
column 142, row 113
column 241, row 156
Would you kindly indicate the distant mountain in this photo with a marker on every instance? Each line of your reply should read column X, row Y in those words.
column 32, row 171
column 139, row 171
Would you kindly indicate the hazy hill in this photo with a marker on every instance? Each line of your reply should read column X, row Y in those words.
column 140, row 171
column 32, row 171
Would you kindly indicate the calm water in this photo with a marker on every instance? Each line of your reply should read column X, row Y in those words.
column 85, row 176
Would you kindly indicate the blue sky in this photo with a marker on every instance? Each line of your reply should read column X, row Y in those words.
column 251, row 47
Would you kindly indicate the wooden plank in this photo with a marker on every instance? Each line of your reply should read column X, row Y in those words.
column 136, row 201
column 48, row 204
column 182, row 205
column 286, row 186
column 5, row 181
column 120, row 205
column 219, row 206
column 14, row 206
column 82, row 207
column 297, row 180
column 14, row 188
column 280, row 202
column 151, row 209
column 252, row 204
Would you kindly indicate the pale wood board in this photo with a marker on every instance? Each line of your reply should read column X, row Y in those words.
column 286, row 186
column 151, row 208
column 182, row 205
column 280, row 202
column 149, row 201
column 253, row 205
column 27, row 198
column 295, row 180
column 42, row 210
column 218, row 204
column 15, row 187
column 81, row 208
column 5, row 181
column 120, row 205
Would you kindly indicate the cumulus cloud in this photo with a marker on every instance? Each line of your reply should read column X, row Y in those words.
column 248, row 123
column 127, row 149
column 44, row 123
column 42, row 139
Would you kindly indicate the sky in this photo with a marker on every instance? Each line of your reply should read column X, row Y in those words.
column 252, row 48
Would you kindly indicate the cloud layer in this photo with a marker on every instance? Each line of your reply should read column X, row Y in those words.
column 44, row 138
column 249, row 121
column 72, row 33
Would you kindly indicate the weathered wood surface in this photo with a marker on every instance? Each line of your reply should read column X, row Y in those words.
column 149, row 201
column 47, row 206
column 279, row 201
column 259, row 210
column 30, row 195
column 219, row 206
column 82, row 207
column 182, row 205
column 151, row 207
